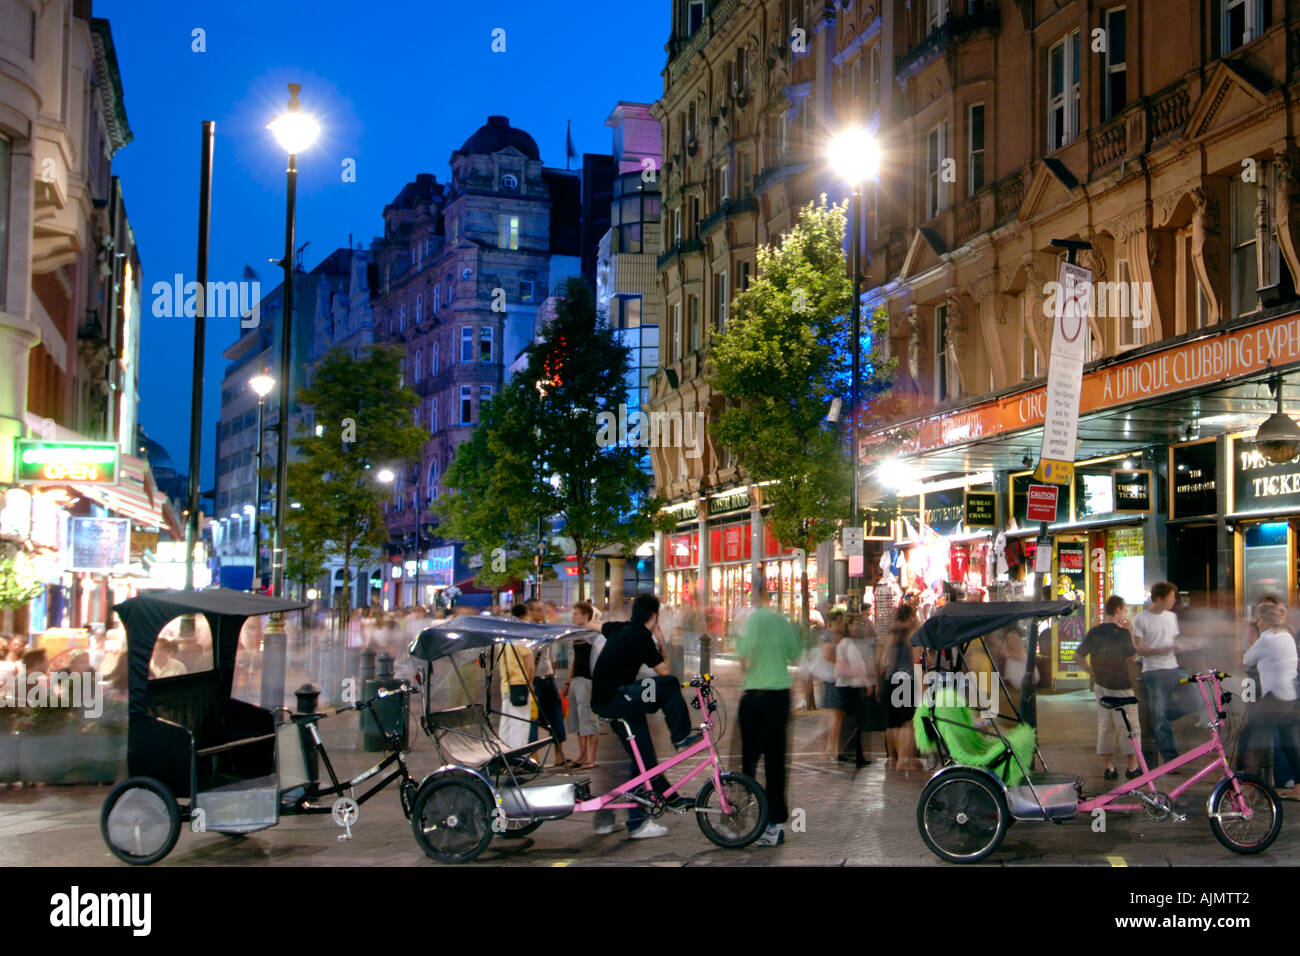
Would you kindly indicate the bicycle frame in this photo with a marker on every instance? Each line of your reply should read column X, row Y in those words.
column 1150, row 774
column 607, row 801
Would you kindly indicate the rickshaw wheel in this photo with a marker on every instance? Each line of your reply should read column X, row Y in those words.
column 140, row 821
column 1246, row 836
column 749, row 811
column 962, row 816
column 408, row 792
column 452, row 818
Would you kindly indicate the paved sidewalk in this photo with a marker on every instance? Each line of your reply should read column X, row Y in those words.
column 865, row 817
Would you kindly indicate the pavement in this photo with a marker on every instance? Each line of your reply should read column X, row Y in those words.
column 845, row 817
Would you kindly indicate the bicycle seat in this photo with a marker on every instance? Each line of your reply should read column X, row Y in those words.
column 1114, row 702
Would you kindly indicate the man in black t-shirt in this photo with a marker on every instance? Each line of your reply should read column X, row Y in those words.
column 617, row 694
column 1105, row 653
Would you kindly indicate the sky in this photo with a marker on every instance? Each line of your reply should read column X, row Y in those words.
column 395, row 90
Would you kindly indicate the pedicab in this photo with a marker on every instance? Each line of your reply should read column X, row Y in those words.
column 198, row 755
column 485, row 788
column 988, row 778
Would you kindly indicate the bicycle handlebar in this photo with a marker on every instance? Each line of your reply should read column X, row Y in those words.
column 1219, row 674
column 403, row 689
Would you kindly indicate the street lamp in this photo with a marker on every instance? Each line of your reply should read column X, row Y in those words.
column 386, row 476
column 294, row 130
column 855, row 157
column 262, row 385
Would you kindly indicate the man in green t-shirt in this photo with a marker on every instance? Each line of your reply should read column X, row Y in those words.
column 768, row 643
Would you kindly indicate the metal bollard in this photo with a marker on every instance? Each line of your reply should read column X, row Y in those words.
column 394, row 712
column 705, row 655
column 367, row 672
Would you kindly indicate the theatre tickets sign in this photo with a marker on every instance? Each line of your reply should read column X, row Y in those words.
column 1212, row 359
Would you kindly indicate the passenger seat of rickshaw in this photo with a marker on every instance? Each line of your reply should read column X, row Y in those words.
column 194, row 702
column 949, row 727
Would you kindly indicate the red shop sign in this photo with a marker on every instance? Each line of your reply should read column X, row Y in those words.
column 771, row 548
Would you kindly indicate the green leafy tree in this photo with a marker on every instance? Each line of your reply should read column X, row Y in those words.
column 366, row 419
column 545, row 451
column 784, row 361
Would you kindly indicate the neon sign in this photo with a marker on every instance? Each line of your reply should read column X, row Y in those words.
column 82, row 463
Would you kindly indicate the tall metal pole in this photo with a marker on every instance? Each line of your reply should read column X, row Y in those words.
column 855, row 253
column 257, row 498
column 200, row 324
column 418, row 599
column 286, row 343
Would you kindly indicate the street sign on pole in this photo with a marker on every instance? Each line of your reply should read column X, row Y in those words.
column 1043, row 555
column 1070, row 331
column 1040, row 503
column 852, row 542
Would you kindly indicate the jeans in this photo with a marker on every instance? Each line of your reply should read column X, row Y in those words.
column 764, row 724
column 632, row 702
column 1160, row 687
column 1272, row 722
column 550, row 710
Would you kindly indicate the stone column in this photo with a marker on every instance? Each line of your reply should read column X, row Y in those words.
column 755, row 546
column 661, row 565
column 597, row 595
column 616, row 571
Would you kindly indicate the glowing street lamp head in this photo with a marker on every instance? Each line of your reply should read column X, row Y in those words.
column 386, row 475
column 895, row 474
column 855, row 155
column 294, row 130
column 262, row 385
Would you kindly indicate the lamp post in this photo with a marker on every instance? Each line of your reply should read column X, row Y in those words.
column 855, row 157
column 386, row 476
column 294, row 130
column 262, row 385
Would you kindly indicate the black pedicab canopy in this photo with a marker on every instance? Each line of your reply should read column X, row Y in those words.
column 146, row 614
column 955, row 624
column 474, row 632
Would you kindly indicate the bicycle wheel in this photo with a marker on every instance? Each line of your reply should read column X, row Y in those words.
column 962, row 816
column 748, row 816
column 1232, row 829
column 452, row 818
column 140, row 821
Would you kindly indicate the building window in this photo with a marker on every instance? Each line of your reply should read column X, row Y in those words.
column 455, row 230
column 402, row 323
column 720, row 301
column 1245, row 275
column 693, row 320
column 437, row 299
column 677, row 225
column 936, row 151
column 433, row 414
column 629, row 311
column 677, row 332
column 432, row 483
column 1029, row 367
column 694, row 17
column 485, row 344
column 451, row 289
column 975, row 152
column 419, row 307
column 507, row 232
column 433, row 360
column 525, row 290
column 466, row 344
column 936, row 12
column 467, row 404
column 941, row 353
column 1243, row 21
column 1116, row 59
column 419, row 366
column 1127, row 335
column 744, row 276
column 484, row 396
column 1063, row 91
column 724, row 184
column 510, row 182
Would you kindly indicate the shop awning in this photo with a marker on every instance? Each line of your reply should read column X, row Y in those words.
column 136, row 497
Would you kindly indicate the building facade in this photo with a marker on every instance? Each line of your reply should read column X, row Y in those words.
column 462, row 270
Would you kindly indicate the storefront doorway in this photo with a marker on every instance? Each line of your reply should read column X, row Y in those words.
column 1194, row 561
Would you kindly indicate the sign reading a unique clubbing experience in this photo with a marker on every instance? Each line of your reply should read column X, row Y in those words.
column 1260, row 486
column 80, row 463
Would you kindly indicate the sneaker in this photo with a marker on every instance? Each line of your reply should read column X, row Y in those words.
column 1111, row 774
column 681, row 802
column 1134, row 773
column 648, row 830
column 688, row 741
column 773, row 835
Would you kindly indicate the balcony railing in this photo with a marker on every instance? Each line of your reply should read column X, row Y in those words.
column 728, row 208
column 681, row 248
column 938, row 39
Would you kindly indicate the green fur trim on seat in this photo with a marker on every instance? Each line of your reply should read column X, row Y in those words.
column 967, row 745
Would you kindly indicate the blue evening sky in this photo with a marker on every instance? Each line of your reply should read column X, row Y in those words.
column 397, row 85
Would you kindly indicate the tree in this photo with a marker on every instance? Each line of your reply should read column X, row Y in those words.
column 365, row 420
column 542, row 451
column 783, row 361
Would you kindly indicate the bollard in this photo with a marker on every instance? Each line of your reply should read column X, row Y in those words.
column 705, row 655
column 393, row 711
column 367, row 672
column 306, row 716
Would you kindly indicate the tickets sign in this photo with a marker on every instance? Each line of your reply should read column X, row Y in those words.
column 64, row 462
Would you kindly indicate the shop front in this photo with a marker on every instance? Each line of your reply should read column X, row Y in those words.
column 1265, row 517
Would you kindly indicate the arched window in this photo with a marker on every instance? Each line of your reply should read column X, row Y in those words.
column 437, row 299
column 433, row 490
column 419, row 366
